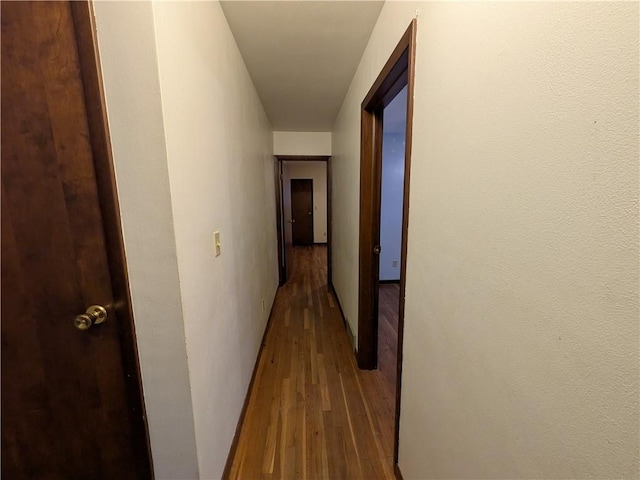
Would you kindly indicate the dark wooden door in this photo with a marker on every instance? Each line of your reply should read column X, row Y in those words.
column 71, row 401
column 302, row 211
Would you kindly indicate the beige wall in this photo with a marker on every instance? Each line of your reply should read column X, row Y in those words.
column 126, row 37
column 521, row 328
column 302, row 143
column 203, row 149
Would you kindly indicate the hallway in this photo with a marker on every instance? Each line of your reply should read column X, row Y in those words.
column 312, row 413
column 147, row 224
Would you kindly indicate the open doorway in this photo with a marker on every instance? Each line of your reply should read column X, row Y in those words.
column 390, row 97
column 303, row 202
column 391, row 207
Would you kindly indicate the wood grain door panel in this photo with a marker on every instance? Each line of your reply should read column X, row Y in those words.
column 302, row 211
column 65, row 407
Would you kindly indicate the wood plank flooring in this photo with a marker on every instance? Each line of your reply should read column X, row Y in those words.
column 388, row 307
column 312, row 413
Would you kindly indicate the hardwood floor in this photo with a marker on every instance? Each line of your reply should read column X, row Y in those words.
column 388, row 306
column 311, row 412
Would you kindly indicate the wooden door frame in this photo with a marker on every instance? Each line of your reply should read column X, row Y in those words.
column 90, row 72
column 398, row 72
column 280, row 209
column 329, row 226
column 282, row 267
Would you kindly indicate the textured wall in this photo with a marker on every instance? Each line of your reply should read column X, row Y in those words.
column 521, row 328
column 194, row 153
column 128, row 53
column 219, row 148
column 302, row 143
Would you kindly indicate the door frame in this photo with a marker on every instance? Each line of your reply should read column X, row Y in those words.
column 398, row 72
column 90, row 72
column 282, row 266
column 282, row 269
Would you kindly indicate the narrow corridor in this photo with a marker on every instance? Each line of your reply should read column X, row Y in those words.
column 312, row 413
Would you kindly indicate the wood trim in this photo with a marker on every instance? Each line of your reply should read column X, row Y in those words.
column 303, row 158
column 397, row 472
column 329, row 223
column 391, row 80
column 282, row 267
column 396, row 66
column 90, row 70
column 370, row 193
column 389, row 282
column 411, row 74
column 398, row 71
column 393, row 77
column 236, row 437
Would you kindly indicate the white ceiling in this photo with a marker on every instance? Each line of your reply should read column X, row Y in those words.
column 302, row 55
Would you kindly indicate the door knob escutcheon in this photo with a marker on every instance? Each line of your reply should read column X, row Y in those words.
column 95, row 314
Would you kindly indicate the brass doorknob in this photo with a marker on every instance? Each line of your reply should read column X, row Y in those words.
column 94, row 314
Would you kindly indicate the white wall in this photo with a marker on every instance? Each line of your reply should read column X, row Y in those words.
column 392, row 187
column 219, row 145
column 217, row 162
column 521, row 327
column 391, row 205
column 316, row 171
column 127, row 47
column 302, row 143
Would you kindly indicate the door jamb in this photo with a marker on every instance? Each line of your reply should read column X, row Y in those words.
column 282, row 267
column 90, row 71
column 398, row 71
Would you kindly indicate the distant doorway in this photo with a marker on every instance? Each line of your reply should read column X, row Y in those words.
column 294, row 167
column 302, row 211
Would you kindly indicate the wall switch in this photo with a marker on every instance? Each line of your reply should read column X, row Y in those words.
column 216, row 243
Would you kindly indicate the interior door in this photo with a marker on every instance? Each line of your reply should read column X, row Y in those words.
column 302, row 211
column 71, row 400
